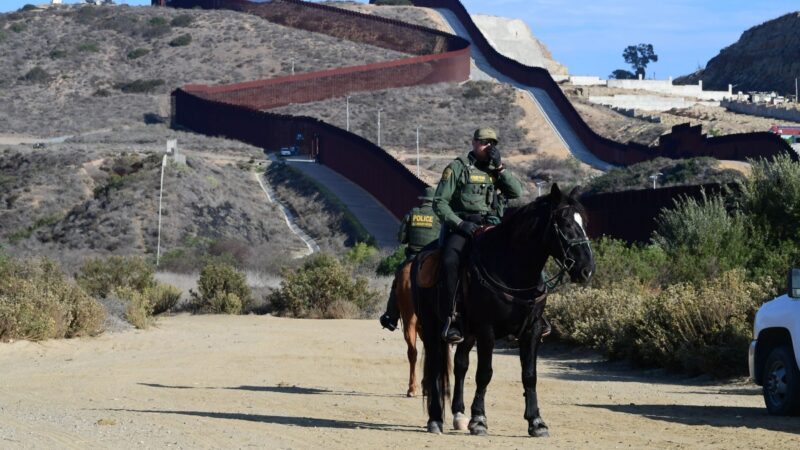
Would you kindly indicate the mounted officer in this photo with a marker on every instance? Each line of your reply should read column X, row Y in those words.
column 465, row 199
column 418, row 228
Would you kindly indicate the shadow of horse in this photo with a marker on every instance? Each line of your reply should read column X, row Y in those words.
column 276, row 389
column 306, row 422
column 715, row 416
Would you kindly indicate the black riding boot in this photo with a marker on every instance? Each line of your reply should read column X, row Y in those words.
column 389, row 319
column 453, row 326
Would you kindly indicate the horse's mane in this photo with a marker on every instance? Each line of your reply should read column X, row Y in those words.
column 525, row 218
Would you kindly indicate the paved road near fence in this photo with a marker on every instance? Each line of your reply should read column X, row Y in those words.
column 378, row 221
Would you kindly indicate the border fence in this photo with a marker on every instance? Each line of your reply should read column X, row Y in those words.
column 236, row 110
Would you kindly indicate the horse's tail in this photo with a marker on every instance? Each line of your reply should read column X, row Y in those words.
column 437, row 366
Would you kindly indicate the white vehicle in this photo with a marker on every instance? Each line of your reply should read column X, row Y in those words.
column 288, row 151
column 775, row 350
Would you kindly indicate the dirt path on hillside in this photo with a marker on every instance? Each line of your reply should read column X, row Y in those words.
column 265, row 382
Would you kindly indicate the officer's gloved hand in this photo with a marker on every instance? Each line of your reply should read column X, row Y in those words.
column 494, row 157
column 468, row 228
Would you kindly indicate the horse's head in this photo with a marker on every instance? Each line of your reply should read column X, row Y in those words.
column 566, row 240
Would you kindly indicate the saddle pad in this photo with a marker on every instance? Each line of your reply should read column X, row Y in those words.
column 428, row 273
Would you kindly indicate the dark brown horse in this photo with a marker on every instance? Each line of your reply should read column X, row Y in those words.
column 503, row 294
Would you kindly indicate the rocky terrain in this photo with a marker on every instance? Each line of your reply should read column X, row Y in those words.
column 763, row 59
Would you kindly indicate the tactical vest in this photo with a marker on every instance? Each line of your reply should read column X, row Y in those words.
column 475, row 191
column 423, row 227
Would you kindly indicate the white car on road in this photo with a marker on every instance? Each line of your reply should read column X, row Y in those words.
column 775, row 350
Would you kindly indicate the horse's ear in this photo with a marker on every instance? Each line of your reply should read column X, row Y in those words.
column 575, row 192
column 555, row 192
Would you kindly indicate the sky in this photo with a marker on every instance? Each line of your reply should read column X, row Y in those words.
column 590, row 36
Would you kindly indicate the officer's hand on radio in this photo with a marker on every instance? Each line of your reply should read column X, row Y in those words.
column 468, row 228
column 494, row 157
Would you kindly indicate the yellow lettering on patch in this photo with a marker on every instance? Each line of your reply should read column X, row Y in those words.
column 420, row 220
column 478, row 179
column 448, row 172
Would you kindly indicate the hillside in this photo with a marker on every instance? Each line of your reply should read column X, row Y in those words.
column 72, row 69
column 763, row 59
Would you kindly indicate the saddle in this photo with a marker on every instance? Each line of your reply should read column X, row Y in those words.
column 429, row 261
column 428, row 268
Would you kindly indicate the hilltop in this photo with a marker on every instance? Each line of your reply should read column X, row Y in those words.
column 763, row 59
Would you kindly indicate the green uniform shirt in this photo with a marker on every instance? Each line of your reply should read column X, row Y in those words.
column 468, row 186
column 419, row 227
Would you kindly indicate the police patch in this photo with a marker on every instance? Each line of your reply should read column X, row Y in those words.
column 448, row 172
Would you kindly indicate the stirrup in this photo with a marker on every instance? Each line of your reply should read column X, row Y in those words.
column 451, row 333
column 387, row 322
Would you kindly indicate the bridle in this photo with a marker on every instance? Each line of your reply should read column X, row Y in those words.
column 567, row 263
column 537, row 291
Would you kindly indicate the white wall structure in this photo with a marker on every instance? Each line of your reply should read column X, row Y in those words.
column 763, row 110
column 646, row 102
column 666, row 87
column 586, row 81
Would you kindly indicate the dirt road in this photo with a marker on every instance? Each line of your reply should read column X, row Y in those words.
column 265, row 382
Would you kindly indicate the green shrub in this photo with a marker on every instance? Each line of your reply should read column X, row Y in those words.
column 163, row 297
column 137, row 53
column 321, row 288
column 3, row 36
column 18, row 27
column 389, row 265
column 88, row 47
column 138, row 309
column 701, row 238
column 617, row 261
column 57, row 53
column 184, row 20
column 37, row 302
column 221, row 289
column 694, row 329
column 157, row 21
column 36, row 75
column 360, row 254
column 139, row 86
column 180, row 41
column 101, row 276
column 772, row 198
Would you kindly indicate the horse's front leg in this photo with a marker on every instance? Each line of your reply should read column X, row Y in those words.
column 478, row 424
column 528, row 349
column 460, row 367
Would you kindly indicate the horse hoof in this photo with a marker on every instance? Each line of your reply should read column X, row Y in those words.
column 411, row 394
column 538, row 428
column 435, row 427
column 460, row 422
column 478, row 426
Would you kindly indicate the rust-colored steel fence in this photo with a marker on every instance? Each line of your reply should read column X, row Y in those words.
column 358, row 159
column 631, row 215
column 681, row 143
column 233, row 110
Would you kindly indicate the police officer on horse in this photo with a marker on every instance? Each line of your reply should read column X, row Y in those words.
column 418, row 228
column 465, row 199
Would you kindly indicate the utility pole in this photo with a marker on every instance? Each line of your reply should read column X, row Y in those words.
column 293, row 67
column 347, row 100
column 654, row 177
column 795, row 90
column 417, row 151
column 379, row 126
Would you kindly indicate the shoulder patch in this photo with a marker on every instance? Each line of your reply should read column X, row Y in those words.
column 448, row 172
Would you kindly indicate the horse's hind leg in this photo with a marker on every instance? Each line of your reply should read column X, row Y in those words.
column 460, row 367
column 405, row 303
column 410, row 335
column 528, row 349
column 478, row 424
